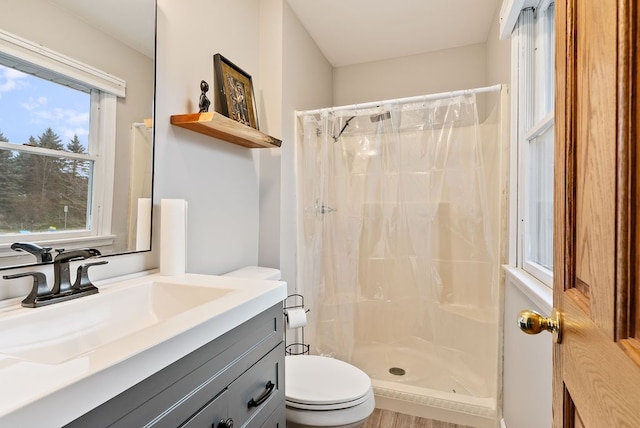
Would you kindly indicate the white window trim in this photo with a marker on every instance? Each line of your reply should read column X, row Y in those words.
column 102, row 195
column 52, row 61
column 102, row 136
column 46, row 152
column 521, row 102
column 536, row 291
column 522, row 96
column 536, row 270
column 509, row 13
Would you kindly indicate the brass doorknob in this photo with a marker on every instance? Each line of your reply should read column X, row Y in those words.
column 532, row 322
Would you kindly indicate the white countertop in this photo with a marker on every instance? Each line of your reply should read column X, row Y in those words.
column 36, row 392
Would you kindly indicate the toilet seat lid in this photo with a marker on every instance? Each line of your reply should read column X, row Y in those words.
column 312, row 380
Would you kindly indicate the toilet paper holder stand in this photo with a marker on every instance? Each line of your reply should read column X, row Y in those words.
column 295, row 301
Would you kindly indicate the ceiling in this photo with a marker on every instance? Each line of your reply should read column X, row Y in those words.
column 346, row 31
column 130, row 21
column 357, row 31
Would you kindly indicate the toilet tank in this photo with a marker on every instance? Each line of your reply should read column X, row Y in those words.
column 256, row 272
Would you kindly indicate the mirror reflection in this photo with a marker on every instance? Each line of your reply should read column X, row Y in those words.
column 76, row 134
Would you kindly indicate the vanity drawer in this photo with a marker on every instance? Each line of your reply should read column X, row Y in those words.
column 212, row 414
column 259, row 391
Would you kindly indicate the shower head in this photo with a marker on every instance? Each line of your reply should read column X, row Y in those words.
column 335, row 139
column 378, row 117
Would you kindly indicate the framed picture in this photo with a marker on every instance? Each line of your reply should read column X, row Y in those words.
column 235, row 92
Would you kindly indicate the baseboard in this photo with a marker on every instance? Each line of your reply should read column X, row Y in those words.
column 503, row 424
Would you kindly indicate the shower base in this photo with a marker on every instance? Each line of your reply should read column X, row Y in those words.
column 417, row 378
column 433, row 404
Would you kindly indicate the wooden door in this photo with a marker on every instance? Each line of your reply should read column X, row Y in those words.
column 597, row 234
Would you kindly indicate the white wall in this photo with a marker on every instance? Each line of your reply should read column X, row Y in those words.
column 498, row 54
column 445, row 70
column 271, row 17
column 219, row 180
column 308, row 82
column 527, row 362
column 498, row 62
column 300, row 78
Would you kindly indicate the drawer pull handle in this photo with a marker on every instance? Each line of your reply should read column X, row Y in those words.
column 225, row 424
column 269, row 389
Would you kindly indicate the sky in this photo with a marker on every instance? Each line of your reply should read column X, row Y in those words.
column 29, row 105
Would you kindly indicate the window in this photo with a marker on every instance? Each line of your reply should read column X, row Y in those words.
column 46, row 161
column 57, row 139
column 533, row 86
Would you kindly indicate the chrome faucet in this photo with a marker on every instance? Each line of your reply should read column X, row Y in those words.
column 62, row 289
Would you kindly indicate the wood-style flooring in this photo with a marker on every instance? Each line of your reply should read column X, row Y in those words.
column 388, row 419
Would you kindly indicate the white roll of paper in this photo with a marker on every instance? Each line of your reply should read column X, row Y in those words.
column 173, row 236
column 143, row 225
column 296, row 318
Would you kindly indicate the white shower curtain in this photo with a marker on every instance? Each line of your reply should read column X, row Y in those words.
column 393, row 223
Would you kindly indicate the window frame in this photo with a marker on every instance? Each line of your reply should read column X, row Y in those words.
column 105, row 89
column 539, row 271
column 532, row 50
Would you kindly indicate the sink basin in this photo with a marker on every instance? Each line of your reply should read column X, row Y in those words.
column 57, row 333
column 87, row 350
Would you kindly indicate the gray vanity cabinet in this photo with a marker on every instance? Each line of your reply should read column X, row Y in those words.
column 235, row 380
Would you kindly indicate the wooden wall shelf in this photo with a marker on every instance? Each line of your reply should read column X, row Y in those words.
column 218, row 126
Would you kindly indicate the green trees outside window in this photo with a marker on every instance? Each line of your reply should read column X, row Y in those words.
column 42, row 192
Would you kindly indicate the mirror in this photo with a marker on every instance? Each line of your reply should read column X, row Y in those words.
column 118, row 38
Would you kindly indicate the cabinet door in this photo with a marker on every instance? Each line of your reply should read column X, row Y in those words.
column 276, row 420
column 212, row 414
column 259, row 391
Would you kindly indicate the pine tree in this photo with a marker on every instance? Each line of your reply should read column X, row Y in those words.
column 42, row 181
column 77, row 185
column 9, row 191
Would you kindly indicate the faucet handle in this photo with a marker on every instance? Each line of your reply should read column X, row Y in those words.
column 39, row 290
column 82, row 276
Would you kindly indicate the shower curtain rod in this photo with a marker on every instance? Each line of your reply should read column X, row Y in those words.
column 417, row 99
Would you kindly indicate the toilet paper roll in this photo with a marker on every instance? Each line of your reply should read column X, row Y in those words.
column 173, row 236
column 296, row 318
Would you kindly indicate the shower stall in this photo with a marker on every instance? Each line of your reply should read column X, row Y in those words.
column 400, row 210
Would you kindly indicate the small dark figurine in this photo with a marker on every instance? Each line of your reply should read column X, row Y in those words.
column 204, row 101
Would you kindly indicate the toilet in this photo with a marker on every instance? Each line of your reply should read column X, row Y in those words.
column 320, row 391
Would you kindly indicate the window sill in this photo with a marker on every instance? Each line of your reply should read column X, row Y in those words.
column 535, row 290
